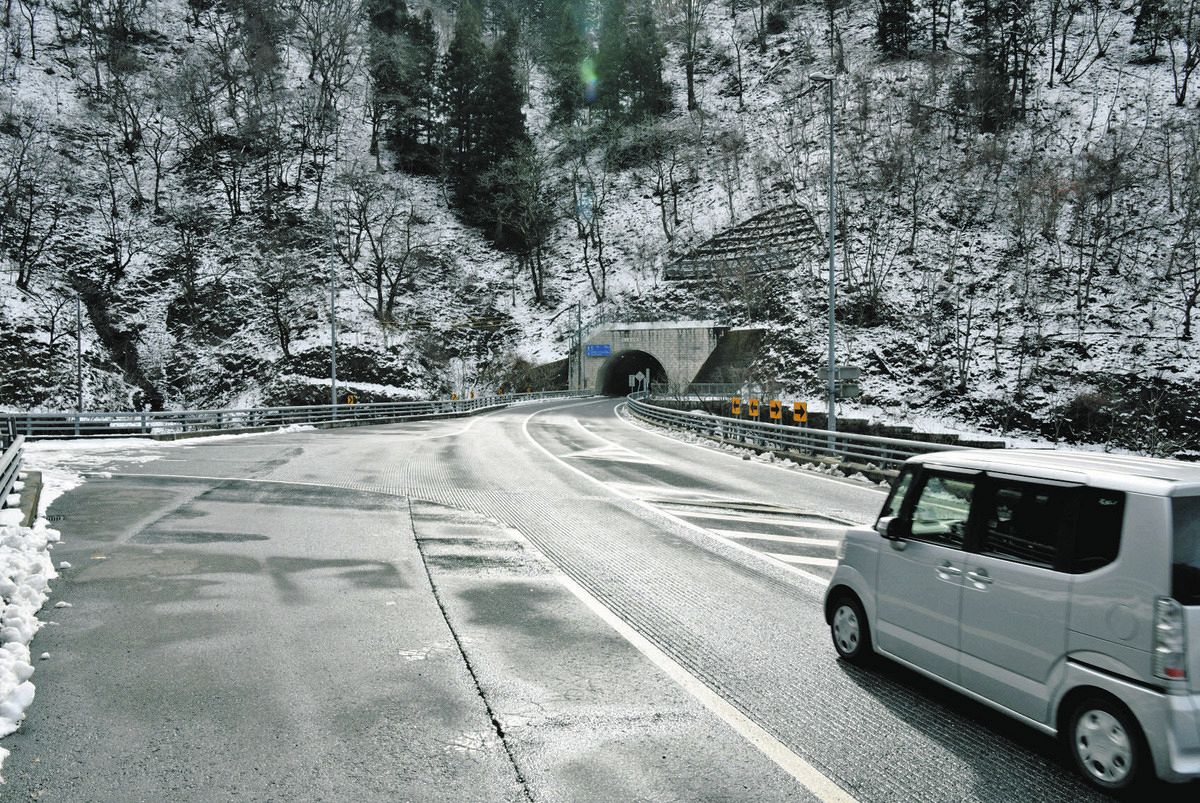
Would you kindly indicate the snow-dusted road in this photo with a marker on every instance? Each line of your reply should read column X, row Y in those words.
column 543, row 603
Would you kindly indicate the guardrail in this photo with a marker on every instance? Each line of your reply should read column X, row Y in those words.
column 845, row 446
column 10, row 467
column 167, row 424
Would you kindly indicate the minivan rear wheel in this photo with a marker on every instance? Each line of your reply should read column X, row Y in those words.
column 851, row 633
column 1106, row 744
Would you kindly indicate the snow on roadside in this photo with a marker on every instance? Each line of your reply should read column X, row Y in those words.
column 25, row 574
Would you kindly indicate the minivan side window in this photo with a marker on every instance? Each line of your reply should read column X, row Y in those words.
column 942, row 509
column 895, row 499
column 1097, row 529
column 1023, row 522
column 1185, row 561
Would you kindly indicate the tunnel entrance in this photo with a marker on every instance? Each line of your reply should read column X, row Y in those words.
column 614, row 374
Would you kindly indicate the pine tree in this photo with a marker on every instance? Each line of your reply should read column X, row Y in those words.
column 502, row 124
column 1152, row 26
column 611, row 69
column 894, row 27
column 1003, row 35
column 567, row 60
column 648, row 92
column 461, row 99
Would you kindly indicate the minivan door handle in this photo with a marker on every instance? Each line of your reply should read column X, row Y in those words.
column 947, row 570
column 979, row 576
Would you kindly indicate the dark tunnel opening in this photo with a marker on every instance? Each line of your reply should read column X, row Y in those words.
column 614, row 376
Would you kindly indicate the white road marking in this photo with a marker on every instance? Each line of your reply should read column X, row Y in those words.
column 808, row 775
column 713, row 450
column 805, row 773
column 783, row 539
column 792, row 522
column 805, row 560
column 616, row 489
column 613, row 453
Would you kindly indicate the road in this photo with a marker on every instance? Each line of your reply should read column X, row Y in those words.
column 545, row 603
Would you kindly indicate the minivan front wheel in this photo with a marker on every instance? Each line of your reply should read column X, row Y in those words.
column 851, row 633
column 1106, row 744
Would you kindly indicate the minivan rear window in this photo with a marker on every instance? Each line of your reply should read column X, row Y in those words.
column 1185, row 562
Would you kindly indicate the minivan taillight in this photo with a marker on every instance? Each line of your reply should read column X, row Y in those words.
column 1170, row 640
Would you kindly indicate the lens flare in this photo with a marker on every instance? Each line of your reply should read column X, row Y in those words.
column 587, row 76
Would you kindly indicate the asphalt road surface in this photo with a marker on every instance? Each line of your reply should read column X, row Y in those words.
column 544, row 603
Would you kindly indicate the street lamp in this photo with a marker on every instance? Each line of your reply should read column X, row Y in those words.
column 829, row 80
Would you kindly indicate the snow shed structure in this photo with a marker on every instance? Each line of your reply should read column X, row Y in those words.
column 784, row 238
column 661, row 352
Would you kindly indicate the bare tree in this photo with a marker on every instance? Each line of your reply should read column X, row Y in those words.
column 690, row 30
column 122, row 233
column 590, row 192
column 32, row 195
column 1080, row 32
column 381, row 242
column 329, row 32
column 1184, row 45
column 525, row 205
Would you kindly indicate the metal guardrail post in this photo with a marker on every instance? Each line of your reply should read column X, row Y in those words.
column 10, row 467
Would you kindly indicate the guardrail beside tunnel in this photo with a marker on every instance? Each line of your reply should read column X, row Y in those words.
column 873, row 455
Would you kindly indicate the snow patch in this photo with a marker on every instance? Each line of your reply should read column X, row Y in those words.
column 25, row 574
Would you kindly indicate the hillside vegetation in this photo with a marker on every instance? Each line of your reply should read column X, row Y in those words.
column 1018, row 196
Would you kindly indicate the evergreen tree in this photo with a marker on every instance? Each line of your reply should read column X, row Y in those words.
column 462, row 101
column 629, row 63
column 503, row 121
column 644, row 53
column 611, row 69
column 894, row 27
column 1003, row 35
column 567, row 59
column 402, row 66
column 1152, row 25
column 386, row 16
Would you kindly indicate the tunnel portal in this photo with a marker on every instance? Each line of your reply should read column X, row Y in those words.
column 614, row 376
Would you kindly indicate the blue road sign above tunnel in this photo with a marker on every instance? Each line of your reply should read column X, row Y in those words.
column 600, row 350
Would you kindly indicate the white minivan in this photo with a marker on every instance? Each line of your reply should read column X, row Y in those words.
column 1060, row 588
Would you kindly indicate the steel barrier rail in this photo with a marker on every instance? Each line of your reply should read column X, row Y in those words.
column 131, row 424
column 887, row 452
column 10, row 467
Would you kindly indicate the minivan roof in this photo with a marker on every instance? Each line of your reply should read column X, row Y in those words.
column 1118, row 472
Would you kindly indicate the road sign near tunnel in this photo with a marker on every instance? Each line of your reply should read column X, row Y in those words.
column 600, row 350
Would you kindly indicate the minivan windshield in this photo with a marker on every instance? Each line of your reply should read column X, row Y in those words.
column 1185, row 568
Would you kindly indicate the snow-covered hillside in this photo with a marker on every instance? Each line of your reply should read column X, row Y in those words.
column 1036, row 275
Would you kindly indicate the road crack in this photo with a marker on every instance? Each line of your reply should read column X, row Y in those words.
column 497, row 726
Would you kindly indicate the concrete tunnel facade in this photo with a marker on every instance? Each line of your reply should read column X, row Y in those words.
column 671, row 353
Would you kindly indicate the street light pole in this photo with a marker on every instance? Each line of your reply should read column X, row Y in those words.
column 78, row 357
column 579, row 341
column 829, row 79
column 332, row 308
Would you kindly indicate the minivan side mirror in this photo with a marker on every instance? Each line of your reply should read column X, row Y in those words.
column 893, row 528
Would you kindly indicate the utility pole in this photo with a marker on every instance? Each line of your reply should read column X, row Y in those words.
column 579, row 340
column 829, row 80
column 78, row 356
column 333, row 399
